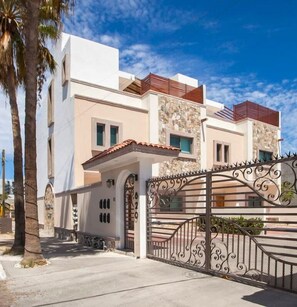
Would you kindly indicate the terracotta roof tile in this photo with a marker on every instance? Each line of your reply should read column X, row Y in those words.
column 127, row 143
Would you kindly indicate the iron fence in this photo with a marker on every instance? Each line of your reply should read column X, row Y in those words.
column 238, row 221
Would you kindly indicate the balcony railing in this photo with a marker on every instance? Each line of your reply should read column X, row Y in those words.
column 240, row 111
column 255, row 111
column 171, row 87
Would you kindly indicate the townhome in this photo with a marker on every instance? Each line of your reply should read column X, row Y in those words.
column 102, row 133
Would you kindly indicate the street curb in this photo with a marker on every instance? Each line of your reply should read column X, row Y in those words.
column 2, row 273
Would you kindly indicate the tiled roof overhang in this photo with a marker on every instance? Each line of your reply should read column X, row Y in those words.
column 131, row 146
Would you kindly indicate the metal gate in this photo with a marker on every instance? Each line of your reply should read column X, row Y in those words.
column 238, row 221
column 129, row 212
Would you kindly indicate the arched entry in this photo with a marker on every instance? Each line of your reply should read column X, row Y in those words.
column 49, row 200
column 129, row 212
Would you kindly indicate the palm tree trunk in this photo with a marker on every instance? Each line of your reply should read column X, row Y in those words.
column 33, row 254
column 19, row 236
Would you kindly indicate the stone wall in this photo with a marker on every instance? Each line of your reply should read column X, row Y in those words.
column 181, row 116
column 265, row 137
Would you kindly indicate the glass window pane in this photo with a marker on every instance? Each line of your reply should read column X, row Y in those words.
column 113, row 135
column 254, row 201
column 261, row 155
column 100, row 134
column 218, row 152
column 176, row 204
column 265, row 155
column 185, row 144
column 169, row 203
column 226, row 153
column 164, row 203
column 175, row 141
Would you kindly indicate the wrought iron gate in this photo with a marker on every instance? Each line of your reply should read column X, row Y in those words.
column 238, row 221
column 129, row 213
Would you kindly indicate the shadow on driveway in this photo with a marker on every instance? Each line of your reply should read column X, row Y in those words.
column 272, row 298
column 52, row 247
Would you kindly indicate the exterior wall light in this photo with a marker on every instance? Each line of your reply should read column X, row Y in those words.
column 109, row 182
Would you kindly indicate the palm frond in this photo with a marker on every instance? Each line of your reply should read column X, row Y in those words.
column 48, row 32
column 12, row 46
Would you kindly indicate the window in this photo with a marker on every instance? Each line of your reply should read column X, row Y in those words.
column 171, row 203
column 184, row 143
column 50, row 158
column 114, row 132
column 65, row 70
column 50, row 104
column 105, row 134
column 74, row 199
column 265, row 155
column 100, row 135
column 219, row 201
column 226, row 153
column 222, row 153
column 254, row 201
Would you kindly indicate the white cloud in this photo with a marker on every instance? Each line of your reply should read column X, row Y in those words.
column 81, row 21
column 102, row 20
column 210, row 24
column 5, row 123
column 251, row 27
column 152, row 15
column 140, row 60
column 229, row 47
column 111, row 40
column 279, row 96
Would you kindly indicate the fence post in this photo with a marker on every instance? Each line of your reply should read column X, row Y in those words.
column 148, row 221
column 208, row 222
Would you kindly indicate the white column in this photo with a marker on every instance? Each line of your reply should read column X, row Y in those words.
column 250, row 141
column 203, row 140
column 153, row 105
column 145, row 173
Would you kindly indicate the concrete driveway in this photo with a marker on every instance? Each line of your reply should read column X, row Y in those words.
column 79, row 276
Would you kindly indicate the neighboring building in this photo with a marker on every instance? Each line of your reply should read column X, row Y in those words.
column 9, row 201
column 92, row 106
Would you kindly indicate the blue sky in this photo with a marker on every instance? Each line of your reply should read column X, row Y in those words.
column 241, row 49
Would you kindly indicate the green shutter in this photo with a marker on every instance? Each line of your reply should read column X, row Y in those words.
column 175, row 141
column 113, row 135
column 100, row 132
column 185, row 145
column 169, row 203
column 254, row 201
column 265, row 155
column 176, row 204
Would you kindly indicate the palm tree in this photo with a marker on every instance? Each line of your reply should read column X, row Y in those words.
column 11, row 49
column 33, row 254
column 12, row 75
column 38, row 15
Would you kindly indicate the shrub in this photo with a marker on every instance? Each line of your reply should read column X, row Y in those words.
column 253, row 226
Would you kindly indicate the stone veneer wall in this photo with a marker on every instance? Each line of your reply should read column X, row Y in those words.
column 265, row 137
column 181, row 116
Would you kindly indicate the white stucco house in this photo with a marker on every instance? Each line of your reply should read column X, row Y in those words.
column 103, row 132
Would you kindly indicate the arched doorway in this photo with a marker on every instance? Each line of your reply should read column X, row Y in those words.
column 49, row 201
column 129, row 212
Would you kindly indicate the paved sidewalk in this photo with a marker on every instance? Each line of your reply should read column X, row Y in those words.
column 81, row 276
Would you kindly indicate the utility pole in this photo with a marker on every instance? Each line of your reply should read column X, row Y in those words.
column 3, row 183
